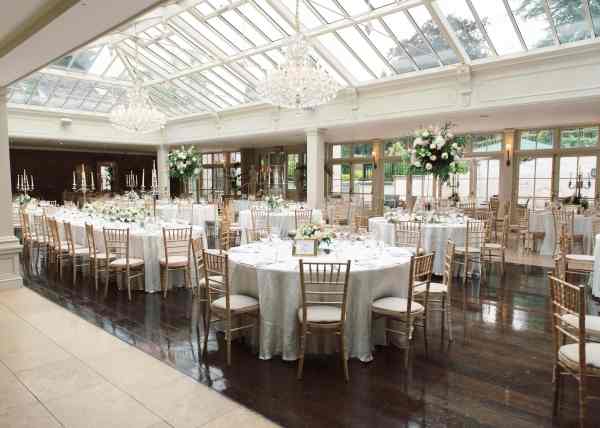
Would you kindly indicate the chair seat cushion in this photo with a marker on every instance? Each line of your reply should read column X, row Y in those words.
column 592, row 324
column 434, row 287
column 492, row 246
column 123, row 262
column 175, row 261
column 100, row 256
column 237, row 303
column 580, row 257
column 569, row 355
column 462, row 250
column 202, row 279
column 81, row 251
column 321, row 314
column 395, row 306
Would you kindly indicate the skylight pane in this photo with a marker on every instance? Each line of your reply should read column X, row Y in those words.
column 231, row 78
column 229, row 33
column 386, row 44
column 328, row 10
column 266, row 26
column 496, row 21
column 307, row 18
column 342, row 54
column 412, row 41
column 115, row 70
column 435, row 37
column 245, row 28
column 379, row 3
column 328, row 68
column 102, row 61
column 354, row 7
column 569, row 19
column 533, row 22
column 357, row 43
column 463, row 23
column 207, row 33
column 204, row 8
column 264, row 6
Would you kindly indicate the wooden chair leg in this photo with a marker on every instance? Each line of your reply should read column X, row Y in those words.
column 206, row 327
column 343, row 354
column 166, row 273
column 228, row 340
column 448, row 312
column 128, row 283
column 556, row 387
column 303, row 328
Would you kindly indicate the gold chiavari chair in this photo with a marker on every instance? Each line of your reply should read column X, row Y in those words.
column 494, row 251
column 440, row 294
column 177, row 247
column 260, row 218
column 470, row 253
column 116, row 244
column 567, row 217
column 42, row 238
column 27, row 233
column 60, row 249
column 78, row 254
column 224, row 305
column 98, row 259
column 573, row 355
column 324, row 297
column 229, row 236
column 577, row 265
column 16, row 211
column 406, row 311
column 198, row 260
column 408, row 235
column 341, row 213
column 302, row 216
column 256, row 235
column 521, row 227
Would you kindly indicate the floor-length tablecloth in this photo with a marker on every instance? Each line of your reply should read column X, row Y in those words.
column 433, row 238
column 543, row 221
column 596, row 273
column 277, row 287
column 145, row 243
column 196, row 214
column 283, row 220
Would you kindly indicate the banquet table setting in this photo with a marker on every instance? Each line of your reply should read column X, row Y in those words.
column 282, row 220
column 196, row 214
column 543, row 222
column 269, row 272
column 146, row 241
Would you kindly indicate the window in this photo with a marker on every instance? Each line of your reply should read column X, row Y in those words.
column 486, row 143
column 340, row 178
column 235, row 157
column 341, row 151
column 536, row 140
column 578, row 137
column 464, row 185
column 362, row 181
column 292, row 164
column 569, row 168
column 535, row 181
column 488, row 179
column 395, row 148
column 362, row 150
column 422, row 186
column 394, row 186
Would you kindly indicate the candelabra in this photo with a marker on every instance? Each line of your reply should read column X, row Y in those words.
column 154, row 189
column 580, row 184
column 24, row 183
column 131, row 181
column 83, row 188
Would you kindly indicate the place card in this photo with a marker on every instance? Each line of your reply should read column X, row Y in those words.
column 305, row 247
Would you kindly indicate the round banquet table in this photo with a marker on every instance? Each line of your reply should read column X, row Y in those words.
column 269, row 272
column 283, row 220
column 434, row 237
column 196, row 214
column 543, row 221
column 144, row 243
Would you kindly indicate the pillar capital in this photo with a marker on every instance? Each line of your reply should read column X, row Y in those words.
column 315, row 132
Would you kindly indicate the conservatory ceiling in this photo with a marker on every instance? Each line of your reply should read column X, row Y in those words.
column 209, row 55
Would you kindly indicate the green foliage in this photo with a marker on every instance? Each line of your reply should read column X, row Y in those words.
column 184, row 163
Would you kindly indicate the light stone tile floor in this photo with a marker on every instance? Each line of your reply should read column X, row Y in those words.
column 57, row 370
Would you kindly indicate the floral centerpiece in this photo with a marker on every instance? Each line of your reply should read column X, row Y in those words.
column 184, row 163
column 393, row 217
column 274, row 202
column 24, row 199
column 314, row 231
column 111, row 212
column 437, row 151
column 576, row 200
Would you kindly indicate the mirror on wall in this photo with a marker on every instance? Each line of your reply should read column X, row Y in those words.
column 107, row 174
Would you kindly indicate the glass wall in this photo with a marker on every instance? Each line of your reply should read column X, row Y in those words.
column 535, row 181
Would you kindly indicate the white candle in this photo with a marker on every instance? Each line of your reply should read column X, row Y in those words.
column 92, row 177
column 18, row 181
column 32, row 181
column 74, row 180
column 144, row 177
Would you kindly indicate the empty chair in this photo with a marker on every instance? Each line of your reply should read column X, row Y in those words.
column 521, row 227
column 116, row 244
column 256, row 235
column 471, row 252
column 60, row 249
column 229, row 236
column 223, row 304
column 494, row 250
column 577, row 265
column 574, row 355
column 42, row 235
column 405, row 310
column 408, row 235
column 78, row 254
column 302, row 216
column 177, row 246
column 260, row 218
column 98, row 259
column 323, row 304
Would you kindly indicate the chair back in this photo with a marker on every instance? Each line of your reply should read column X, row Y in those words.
column 40, row 227
column 69, row 238
column 423, row 269
column 302, row 216
column 91, row 239
column 255, row 235
column 229, row 237
column 216, row 276
column 449, row 265
column 56, row 241
column 116, row 243
column 197, row 250
column 476, row 234
column 324, row 284
column 408, row 234
column 568, row 301
column 177, row 242
column 25, row 226
column 563, row 216
column 341, row 212
column 560, row 267
column 260, row 218
column 17, row 216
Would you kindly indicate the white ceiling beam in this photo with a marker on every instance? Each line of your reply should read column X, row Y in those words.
column 82, row 76
column 440, row 19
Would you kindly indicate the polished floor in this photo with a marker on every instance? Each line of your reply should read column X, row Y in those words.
column 496, row 373
column 57, row 370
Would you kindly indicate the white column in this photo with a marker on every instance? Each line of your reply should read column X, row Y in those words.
column 315, row 168
column 162, row 164
column 10, row 268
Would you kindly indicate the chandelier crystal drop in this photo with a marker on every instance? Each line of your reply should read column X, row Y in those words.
column 299, row 82
column 138, row 115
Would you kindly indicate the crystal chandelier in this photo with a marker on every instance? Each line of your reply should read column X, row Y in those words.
column 139, row 114
column 299, row 82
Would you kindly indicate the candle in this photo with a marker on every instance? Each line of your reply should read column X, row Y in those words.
column 143, row 177
column 92, row 177
column 18, row 182
column 74, row 180
column 32, row 181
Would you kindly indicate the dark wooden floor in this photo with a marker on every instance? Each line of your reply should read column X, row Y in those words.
column 497, row 372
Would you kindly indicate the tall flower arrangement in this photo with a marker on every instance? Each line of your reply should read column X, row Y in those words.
column 437, row 151
column 184, row 163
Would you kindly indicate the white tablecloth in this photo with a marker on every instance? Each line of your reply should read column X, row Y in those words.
column 434, row 238
column 283, row 220
column 196, row 214
column 145, row 243
column 375, row 273
column 543, row 221
column 596, row 273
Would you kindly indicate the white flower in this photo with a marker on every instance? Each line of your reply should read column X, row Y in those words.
column 444, row 155
column 454, row 145
column 449, row 135
column 452, row 163
column 196, row 171
column 432, row 146
column 418, row 141
column 439, row 141
column 433, row 158
column 417, row 164
column 425, row 134
column 428, row 166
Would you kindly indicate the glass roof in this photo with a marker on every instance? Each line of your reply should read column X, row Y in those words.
column 209, row 55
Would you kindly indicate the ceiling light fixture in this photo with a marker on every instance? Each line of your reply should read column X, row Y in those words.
column 299, row 82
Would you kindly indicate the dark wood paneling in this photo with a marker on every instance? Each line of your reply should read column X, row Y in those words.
column 53, row 170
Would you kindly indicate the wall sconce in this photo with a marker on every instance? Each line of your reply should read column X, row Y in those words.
column 508, row 153
column 375, row 156
column 509, row 138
